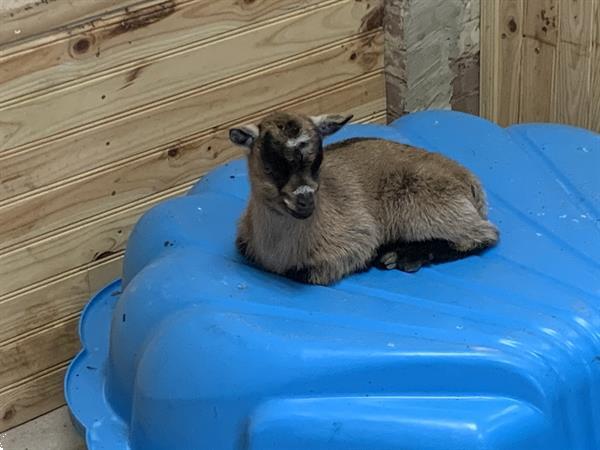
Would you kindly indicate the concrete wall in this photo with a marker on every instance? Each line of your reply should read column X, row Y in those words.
column 431, row 55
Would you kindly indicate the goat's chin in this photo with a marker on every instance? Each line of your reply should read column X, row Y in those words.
column 298, row 215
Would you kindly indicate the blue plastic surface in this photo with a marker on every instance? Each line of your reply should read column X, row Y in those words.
column 496, row 352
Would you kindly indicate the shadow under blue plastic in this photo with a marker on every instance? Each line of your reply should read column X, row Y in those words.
column 194, row 349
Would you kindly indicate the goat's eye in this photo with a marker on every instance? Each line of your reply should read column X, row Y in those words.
column 268, row 170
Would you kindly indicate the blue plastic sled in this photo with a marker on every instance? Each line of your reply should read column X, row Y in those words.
column 194, row 349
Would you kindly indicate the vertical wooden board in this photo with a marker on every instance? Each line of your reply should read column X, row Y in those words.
column 541, row 20
column 489, row 44
column 537, row 81
column 572, row 88
column 594, row 107
column 576, row 21
column 538, row 59
column 32, row 398
column 509, row 66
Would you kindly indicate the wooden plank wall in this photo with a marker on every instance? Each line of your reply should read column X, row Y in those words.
column 540, row 61
column 108, row 107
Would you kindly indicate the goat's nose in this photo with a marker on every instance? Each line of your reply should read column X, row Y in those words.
column 304, row 200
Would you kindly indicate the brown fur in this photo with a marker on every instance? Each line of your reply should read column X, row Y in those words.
column 374, row 200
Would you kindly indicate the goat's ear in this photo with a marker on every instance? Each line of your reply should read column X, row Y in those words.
column 244, row 136
column 329, row 124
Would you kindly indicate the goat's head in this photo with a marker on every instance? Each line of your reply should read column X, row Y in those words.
column 284, row 158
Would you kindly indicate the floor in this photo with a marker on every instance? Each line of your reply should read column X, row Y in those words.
column 53, row 431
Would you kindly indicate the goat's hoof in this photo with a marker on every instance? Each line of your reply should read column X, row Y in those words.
column 389, row 260
column 410, row 266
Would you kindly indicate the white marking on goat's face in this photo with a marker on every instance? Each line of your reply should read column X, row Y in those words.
column 292, row 143
column 317, row 120
column 304, row 189
column 252, row 129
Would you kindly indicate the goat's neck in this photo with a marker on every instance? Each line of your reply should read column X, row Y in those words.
column 278, row 224
column 280, row 240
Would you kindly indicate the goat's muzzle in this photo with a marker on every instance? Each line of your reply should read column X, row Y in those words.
column 301, row 203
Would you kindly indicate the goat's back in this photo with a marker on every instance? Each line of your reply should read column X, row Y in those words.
column 396, row 176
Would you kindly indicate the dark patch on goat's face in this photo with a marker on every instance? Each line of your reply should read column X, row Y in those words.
column 275, row 164
column 287, row 158
column 316, row 164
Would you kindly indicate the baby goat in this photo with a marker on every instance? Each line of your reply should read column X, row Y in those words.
column 317, row 214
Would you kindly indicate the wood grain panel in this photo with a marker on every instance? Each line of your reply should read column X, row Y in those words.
column 490, row 56
column 25, row 19
column 32, row 398
column 50, row 345
column 558, row 75
column 110, row 142
column 86, row 242
column 574, row 56
column 541, row 20
column 36, row 307
column 36, row 352
column 178, row 161
column 575, row 21
column 538, row 59
column 511, row 35
column 143, row 32
column 109, row 107
column 123, row 92
column 594, row 107
column 38, row 392
column 28, row 309
column 64, row 296
column 73, row 248
column 501, row 39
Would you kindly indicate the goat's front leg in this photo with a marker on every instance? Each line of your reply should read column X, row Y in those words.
column 243, row 246
column 301, row 275
column 323, row 274
column 328, row 271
